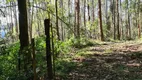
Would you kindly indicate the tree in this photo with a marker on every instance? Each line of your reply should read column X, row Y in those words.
column 107, row 19
column 106, row 10
column 23, row 24
column 114, row 19
column 62, row 32
column 118, row 30
column 24, row 37
column 128, row 16
column 15, row 17
column 85, row 16
column 139, row 27
column 100, row 19
column 88, row 7
column 75, row 9
column 121, row 31
column 93, row 11
column 77, row 12
column 30, row 19
column 57, row 26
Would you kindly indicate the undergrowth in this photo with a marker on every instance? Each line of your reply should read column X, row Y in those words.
column 62, row 49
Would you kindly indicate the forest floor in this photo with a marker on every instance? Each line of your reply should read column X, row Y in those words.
column 107, row 61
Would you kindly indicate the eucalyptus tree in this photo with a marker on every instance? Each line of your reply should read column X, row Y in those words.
column 78, row 17
column 23, row 36
column 118, row 30
column 139, row 20
column 100, row 19
column 57, row 26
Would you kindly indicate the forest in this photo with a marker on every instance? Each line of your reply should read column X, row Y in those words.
column 70, row 40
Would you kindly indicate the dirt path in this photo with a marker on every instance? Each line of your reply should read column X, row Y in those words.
column 109, row 61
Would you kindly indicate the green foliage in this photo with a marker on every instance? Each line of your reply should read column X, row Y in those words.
column 8, row 1
column 80, row 43
column 63, row 67
column 8, row 63
column 40, row 46
column 61, row 47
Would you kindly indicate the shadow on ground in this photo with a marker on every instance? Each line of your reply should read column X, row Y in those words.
column 121, row 64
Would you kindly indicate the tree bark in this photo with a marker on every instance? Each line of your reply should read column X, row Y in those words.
column 114, row 19
column 128, row 16
column 78, row 20
column 139, row 22
column 118, row 30
column 93, row 11
column 23, row 24
column 57, row 26
column 100, row 19
column 24, row 38
column 48, row 49
column 88, row 6
column 85, row 17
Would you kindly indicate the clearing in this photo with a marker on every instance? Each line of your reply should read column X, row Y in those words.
column 106, row 61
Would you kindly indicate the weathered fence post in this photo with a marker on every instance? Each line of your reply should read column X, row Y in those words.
column 48, row 48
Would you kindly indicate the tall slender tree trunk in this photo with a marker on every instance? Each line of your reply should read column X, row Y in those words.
column 30, row 19
column 88, row 6
column 114, row 19
column 111, row 9
column 11, row 10
column 93, row 11
column 57, row 26
column 129, row 19
column 85, row 17
column 16, row 21
column 100, row 19
column 121, row 24
column 75, row 16
column 118, row 30
column 78, row 18
column 85, row 13
column 106, row 10
column 24, row 38
column 107, row 21
column 139, row 27
column 62, row 32
column 136, row 20
column 23, row 24
column 69, row 4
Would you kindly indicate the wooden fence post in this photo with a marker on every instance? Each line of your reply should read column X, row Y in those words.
column 48, row 49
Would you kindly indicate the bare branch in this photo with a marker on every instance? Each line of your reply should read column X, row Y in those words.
column 2, row 13
column 53, row 15
column 8, row 6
